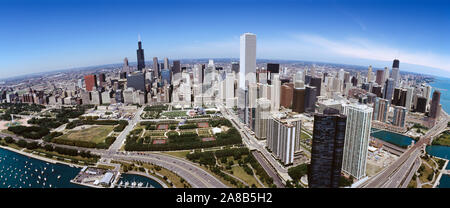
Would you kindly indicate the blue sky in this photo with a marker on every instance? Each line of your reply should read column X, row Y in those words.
column 44, row 35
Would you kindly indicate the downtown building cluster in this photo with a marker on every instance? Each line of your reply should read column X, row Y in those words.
column 271, row 102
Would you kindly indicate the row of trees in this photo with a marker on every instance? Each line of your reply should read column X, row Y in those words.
column 219, row 122
column 258, row 169
column 103, row 145
column 31, row 132
column 50, row 123
column 48, row 147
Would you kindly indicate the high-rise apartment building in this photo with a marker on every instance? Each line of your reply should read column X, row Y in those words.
column 281, row 138
column 327, row 149
column 380, row 109
column 399, row 118
column 434, row 108
column 357, row 134
column 262, row 117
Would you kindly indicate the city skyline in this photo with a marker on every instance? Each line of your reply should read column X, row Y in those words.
column 36, row 41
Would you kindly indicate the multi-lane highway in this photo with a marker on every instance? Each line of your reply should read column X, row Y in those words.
column 397, row 174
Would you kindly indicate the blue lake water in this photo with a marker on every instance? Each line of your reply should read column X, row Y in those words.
column 147, row 182
column 19, row 171
column 444, row 182
column 393, row 138
column 443, row 85
column 439, row 151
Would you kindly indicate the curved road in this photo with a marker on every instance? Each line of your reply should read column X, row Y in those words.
column 193, row 174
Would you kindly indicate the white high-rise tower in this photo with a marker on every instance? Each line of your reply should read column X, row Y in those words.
column 357, row 133
column 247, row 60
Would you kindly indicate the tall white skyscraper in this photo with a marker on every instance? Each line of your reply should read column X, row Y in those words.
column 247, row 73
column 409, row 98
column 247, row 60
column 275, row 94
column 357, row 133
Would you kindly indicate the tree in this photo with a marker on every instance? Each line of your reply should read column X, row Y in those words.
column 9, row 140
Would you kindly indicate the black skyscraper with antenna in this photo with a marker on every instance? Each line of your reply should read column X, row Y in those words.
column 140, row 56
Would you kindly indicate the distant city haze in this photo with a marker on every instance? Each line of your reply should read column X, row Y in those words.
column 48, row 35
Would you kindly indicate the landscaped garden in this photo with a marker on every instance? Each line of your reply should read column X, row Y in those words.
column 170, row 135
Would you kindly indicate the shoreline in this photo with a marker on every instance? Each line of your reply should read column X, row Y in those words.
column 38, row 157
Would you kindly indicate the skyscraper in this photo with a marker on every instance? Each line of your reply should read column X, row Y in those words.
column 156, row 66
column 176, row 68
column 357, row 133
column 380, row 77
column 262, row 117
column 166, row 63
column 275, row 93
column 421, row 105
column 298, row 101
column 327, row 149
column 310, row 99
column 287, row 94
column 316, row 82
column 126, row 67
column 386, row 74
column 389, row 89
column 434, row 108
column 396, row 71
column 136, row 80
column 247, row 71
column 272, row 68
column 396, row 96
column 399, row 118
column 380, row 109
column 369, row 74
column 409, row 98
column 235, row 67
column 281, row 138
column 90, row 82
column 102, row 79
column 140, row 56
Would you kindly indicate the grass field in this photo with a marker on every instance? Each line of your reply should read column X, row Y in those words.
column 96, row 134
column 181, row 154
column 443, row 139
column 239, row 172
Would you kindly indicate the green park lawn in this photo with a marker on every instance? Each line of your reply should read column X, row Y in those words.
column 96, row 134
column 443, row 139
